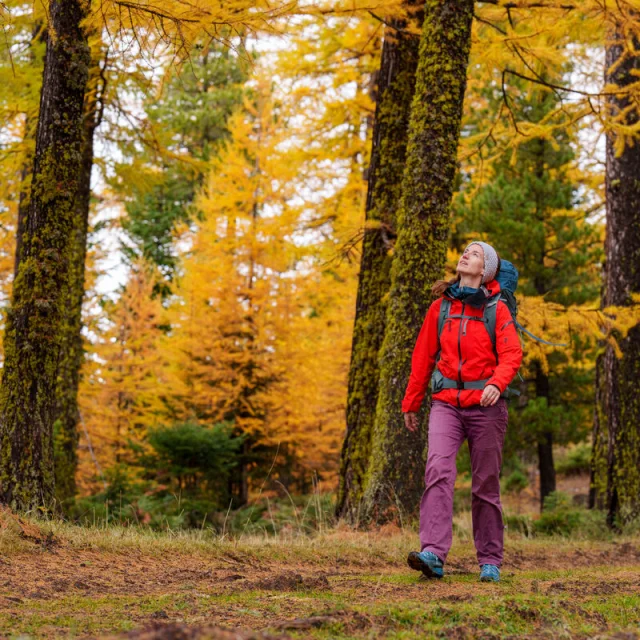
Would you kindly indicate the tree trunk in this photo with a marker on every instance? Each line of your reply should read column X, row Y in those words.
column 25, row 186
column 545, row 443
column 396, row 83
column 33, row 332
column 395, row 477
column 617, row 428
column 600, row 444
column 546, row 467
column 67, row 413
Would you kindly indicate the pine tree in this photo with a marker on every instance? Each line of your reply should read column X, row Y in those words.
column 395, row 476
column 183, row 129
column 532, row 212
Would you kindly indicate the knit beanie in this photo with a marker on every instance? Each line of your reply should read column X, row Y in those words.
column 490, row 260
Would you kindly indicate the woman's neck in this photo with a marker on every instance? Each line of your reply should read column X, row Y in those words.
column 470, row 281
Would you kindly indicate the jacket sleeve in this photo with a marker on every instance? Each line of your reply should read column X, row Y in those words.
column 508, row 348
column 423, row 360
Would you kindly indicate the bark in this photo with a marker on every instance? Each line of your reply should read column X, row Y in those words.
column 600, row 445
column 33, row 331
column 546, row 466
column 72, row 350
column 25, row 186
column 617, row 424
column 394, row 480
column 396, row 84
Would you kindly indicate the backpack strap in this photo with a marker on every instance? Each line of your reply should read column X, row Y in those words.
column 490, row 320
column 445, row 308
column 489, row 316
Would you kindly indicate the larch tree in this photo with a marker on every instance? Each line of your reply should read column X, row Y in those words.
column 72, row 352
column 33, row 335
column 34, row 331
column 120, row 395
column 224, row 315
column 395, row 476
column 394, row 94
column 343, row 53
column 616, row 438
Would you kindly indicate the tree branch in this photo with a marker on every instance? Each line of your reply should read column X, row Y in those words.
column 494, row 26
column 533, row 5
column 551, row 85
column 392, row 26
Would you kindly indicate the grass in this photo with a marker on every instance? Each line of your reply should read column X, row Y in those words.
column 76, row 581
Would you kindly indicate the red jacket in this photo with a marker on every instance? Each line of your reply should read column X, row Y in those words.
column 467, row 354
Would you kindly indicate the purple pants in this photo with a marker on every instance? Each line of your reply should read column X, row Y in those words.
column 484, row 428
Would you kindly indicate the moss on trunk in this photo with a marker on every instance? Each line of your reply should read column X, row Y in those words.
column 33, row 333
column 395, row 476
column 396, row 84
column 72, row 349
column 616, row 472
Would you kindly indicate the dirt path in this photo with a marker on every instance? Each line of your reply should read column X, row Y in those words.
column 57, row 589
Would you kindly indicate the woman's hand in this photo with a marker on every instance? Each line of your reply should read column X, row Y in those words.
column 490, row 395
column 411, row 421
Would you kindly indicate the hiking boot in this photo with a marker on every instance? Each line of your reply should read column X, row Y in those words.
column 489, row 573
column 427, row 562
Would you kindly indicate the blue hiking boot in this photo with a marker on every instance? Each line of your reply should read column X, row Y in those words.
column 489, row 573
column 427, row 562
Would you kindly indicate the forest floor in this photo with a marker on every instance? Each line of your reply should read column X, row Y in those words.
column 59, row 580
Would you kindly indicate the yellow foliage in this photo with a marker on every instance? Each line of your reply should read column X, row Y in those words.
column 590, row 325
column 119, row 393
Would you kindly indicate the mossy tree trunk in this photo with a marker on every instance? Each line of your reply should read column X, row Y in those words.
column 33, row 334
column 617, row 428
column 395, row 476
column 396, row 84
column 67, row 414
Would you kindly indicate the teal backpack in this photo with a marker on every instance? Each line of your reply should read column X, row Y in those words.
column 507, row 277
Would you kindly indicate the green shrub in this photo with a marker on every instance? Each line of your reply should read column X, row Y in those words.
column 521, row 524
column 181, row 482
column 576, row 460
column 556, row 501
column 515, row 482
column 560, row 517
column 303, row 514
column 191, row 454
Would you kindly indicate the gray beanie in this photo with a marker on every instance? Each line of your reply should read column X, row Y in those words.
column 490, row 260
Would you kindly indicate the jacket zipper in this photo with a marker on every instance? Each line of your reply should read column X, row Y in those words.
column 460, row 354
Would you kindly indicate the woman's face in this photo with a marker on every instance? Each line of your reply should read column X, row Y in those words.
column 471, row 262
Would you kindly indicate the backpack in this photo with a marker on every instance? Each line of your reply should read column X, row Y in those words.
column 507, row 277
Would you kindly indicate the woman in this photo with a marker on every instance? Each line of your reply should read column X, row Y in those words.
column 471, row 405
